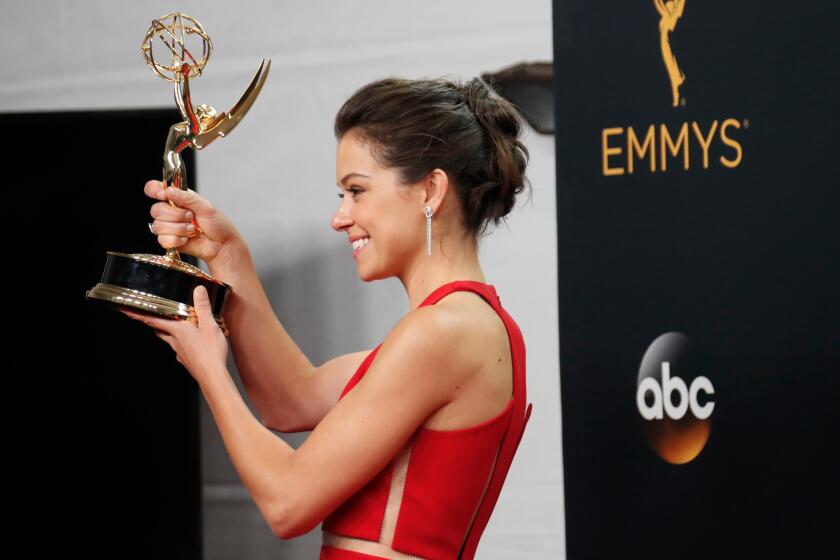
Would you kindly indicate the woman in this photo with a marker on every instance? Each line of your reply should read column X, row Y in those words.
column 409, row 450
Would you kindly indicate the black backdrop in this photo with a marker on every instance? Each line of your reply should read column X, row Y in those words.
column 742, row 260
column 106, row 420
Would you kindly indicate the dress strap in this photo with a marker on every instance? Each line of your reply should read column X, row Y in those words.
column 360, row 371
column 487, row 291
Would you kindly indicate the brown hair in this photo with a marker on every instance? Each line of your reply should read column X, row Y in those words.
column 415, row 126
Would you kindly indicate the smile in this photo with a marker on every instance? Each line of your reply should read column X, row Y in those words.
column 360, row 244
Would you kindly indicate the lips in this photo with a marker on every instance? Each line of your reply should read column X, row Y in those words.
column 360, row 249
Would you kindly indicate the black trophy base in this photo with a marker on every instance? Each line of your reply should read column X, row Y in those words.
column 158, row 285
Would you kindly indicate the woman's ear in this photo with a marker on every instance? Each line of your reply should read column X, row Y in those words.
column 437, row 186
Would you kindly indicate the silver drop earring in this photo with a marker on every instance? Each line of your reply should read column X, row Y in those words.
column 428, row 213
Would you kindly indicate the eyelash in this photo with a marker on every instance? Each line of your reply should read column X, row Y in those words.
column 353, row 190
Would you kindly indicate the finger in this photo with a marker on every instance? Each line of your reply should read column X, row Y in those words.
column 172, row 241
column 165, row 212
column 157, row 323
column 201, row 303
column 154, row 189
column 166, row 337
column 175, row 229
column 191, row 200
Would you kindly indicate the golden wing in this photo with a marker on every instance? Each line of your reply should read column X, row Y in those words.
column 223, row 123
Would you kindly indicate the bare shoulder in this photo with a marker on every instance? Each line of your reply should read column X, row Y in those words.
column 479, row 357
column 439, row 339
column 473, row 322
column 461, row 321
column 436, row 331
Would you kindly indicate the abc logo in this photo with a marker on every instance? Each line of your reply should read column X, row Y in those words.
column 674, row 399
column 663, row 396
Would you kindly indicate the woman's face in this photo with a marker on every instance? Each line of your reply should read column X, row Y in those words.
column 374, row 205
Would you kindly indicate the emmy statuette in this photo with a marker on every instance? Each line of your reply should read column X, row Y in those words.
column 164, row 284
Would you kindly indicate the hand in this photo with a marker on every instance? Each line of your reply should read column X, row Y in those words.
column 200, row 346
column 182, row 209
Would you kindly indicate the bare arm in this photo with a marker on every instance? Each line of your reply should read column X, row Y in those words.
column 290, row 393
column 269, row 362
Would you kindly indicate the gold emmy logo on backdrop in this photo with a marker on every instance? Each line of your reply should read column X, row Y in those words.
column 669, row 13
column 164, row 284
column 659, row 146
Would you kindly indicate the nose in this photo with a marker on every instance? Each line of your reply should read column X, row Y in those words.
column 342, row 219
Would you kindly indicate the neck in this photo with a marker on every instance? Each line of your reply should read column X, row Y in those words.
column 450, row 262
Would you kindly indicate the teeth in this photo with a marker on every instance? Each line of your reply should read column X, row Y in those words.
column 359, row 242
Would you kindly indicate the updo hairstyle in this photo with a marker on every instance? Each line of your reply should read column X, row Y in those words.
column 415, row 126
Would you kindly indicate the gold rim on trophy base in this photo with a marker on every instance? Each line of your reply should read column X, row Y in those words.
column 153, row 284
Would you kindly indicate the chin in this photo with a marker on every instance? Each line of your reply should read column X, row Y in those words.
column 370, row 276
column 364, row 275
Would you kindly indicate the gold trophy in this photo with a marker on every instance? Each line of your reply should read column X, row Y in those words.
column 164, row 284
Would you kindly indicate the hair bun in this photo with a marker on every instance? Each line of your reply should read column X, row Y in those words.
column 494, row 113
column 505, row 177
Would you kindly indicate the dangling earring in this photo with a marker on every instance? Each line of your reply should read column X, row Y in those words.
column 428, row 213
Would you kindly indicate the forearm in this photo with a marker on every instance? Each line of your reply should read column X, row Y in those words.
column 263, row 460
column 269, row 362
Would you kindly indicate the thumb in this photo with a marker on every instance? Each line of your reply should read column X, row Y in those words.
column 201, row 302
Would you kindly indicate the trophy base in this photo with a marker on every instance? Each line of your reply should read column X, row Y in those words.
column 158, row 285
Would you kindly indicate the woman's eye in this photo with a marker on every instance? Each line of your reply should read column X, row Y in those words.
column 353, row 190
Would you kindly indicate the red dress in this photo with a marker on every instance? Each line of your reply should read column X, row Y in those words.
column 433, row 500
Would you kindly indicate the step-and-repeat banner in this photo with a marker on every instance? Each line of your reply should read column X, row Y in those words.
column 698, row 207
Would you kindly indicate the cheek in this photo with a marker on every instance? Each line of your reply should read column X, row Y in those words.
column 401, row 235
column 392, row 227
column 391, row 222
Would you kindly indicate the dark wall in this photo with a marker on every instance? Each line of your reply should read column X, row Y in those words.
column 736, row 257
column 109, row 420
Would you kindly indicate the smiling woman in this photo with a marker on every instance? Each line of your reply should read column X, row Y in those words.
column 411, row 441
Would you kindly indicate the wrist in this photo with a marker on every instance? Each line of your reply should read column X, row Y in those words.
column 232, row 256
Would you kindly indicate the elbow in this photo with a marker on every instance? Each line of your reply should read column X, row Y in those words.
column 281, row 531
column 281, row 523
column 284, row 531
column 291, row 526
column 289, row 521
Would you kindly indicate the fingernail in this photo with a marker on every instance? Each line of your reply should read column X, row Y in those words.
column 188, row 215
column 171, row 190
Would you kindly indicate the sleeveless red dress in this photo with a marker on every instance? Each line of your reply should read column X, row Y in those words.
column 435, row 498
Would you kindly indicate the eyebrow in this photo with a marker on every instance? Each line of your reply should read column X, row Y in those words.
column 349, row 175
